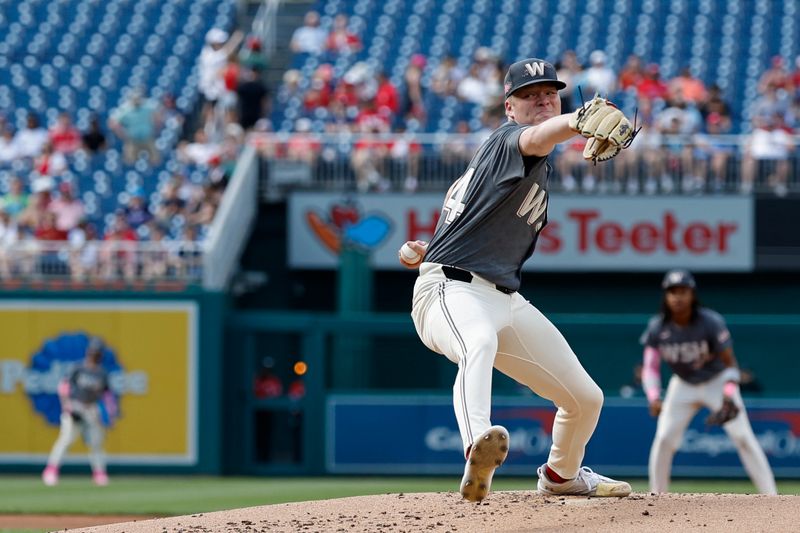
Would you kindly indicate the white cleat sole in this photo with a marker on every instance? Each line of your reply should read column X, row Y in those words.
column 488, row 452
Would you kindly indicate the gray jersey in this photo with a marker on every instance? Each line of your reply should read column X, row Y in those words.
column 87, row 385
column 493, row 214
column 692, row 351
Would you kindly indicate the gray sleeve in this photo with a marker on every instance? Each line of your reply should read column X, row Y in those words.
column 510, row 164
column 648, row 337
column 718, row 332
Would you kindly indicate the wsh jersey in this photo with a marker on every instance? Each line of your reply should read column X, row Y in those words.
column 87, row 385
column 493, row 213
column 692, row 351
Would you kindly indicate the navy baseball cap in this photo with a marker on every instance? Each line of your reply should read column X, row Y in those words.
column 678, row 278
column 528, row 72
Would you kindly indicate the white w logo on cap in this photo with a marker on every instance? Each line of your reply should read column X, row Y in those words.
column 535, row 69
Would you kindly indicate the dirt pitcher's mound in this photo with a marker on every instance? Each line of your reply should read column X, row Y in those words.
column 501, row 511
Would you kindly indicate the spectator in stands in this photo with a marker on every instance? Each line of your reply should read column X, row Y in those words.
column 486, row 61
column 84, row 256
column 228, row 103
column 405, row 152
column 198, row 152
column 290, row 88
column 461, row 148
column 340, row 40
column 47, row 230
column 137, row 212
column 652, row 86
column 251, row 55
column 713, row 152
column 64, row 136
column 68, row 209
column 686, row 87
column 310, row 37
column 18, row 252
column 679, row 123
column 568, row 70
column 320, row 88
column 170, row 205
column 795, row 76
column 569, row 164
column 446, row 77
column 213, row 58
column 715, row 104
column 200, row 209
column 9, row 151
column 387, row 100
column 776, row 77
column 156, row 260
column 93, row 139
column 137, row 123
column 190, row 253
column 771, row 102
column 599, row 77
column 369, row 153
column 49, row 162
column 37, row 206
column 370, row 120
column 303, row 145
column 8, row 235
column 649, row 149
column 767, row 149
column 118, row 252
column 473, row 88
column 15, row 200
column 632, row 73
column 413, row 106
column 31, row 139
column 253, row 97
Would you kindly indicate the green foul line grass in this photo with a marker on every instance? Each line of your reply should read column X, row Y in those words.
column 170, row 496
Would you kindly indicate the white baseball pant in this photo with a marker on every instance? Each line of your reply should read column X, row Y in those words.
column 478, row 327
column 93, row 436
column 681, row 403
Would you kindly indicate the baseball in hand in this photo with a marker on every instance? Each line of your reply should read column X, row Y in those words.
column 409, row 255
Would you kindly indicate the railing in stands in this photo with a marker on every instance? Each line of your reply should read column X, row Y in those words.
column 179, row 263
column 655, row 164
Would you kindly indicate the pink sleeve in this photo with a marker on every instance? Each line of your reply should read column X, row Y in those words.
column 63, row 388
column 651, row 374
column 110, row 402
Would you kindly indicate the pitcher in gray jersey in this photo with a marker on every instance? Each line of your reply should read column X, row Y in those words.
column 80, row 393
column 696, row 344
column 466, row 305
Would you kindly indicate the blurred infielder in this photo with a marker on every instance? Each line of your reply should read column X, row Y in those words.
column 466, row 305
column 696, row 344
column 80, row 413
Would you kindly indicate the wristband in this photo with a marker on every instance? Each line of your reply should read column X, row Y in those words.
column 731, row 374
column 729, row 389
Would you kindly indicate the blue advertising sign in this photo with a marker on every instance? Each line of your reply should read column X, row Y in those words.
column 419, row 435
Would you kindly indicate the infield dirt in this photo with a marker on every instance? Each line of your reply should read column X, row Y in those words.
column 501, row 511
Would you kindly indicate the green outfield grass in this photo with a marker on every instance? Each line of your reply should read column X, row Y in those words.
column 169, row 496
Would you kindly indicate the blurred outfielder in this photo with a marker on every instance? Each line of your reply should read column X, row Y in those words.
column 466, row 305
column 696, row 344
column 86, row 400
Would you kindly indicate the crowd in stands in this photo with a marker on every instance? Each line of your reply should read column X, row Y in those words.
column 50, row 227
column 685, row 144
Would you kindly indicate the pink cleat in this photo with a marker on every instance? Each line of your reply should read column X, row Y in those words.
column 100, row 479
column 50, row 475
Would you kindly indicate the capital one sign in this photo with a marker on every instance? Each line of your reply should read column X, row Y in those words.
column 583, row 233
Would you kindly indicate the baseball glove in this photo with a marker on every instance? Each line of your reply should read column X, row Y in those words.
column 606, row 128
column 726, row 413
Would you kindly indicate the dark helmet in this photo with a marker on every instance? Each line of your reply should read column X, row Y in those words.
column 678, row 278
column 95, row 347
